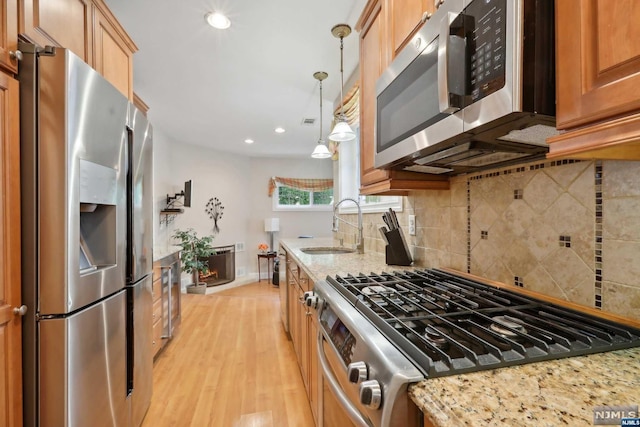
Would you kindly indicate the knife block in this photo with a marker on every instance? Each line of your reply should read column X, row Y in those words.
column 396, row 251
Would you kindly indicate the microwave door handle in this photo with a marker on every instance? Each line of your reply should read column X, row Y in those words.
column 444, row 99
column 344, row 401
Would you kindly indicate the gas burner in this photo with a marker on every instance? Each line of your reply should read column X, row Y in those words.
column 502, row 323
column 435, row 335
column 373, row 290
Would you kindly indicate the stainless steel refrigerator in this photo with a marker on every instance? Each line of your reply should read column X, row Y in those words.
column 82, row 342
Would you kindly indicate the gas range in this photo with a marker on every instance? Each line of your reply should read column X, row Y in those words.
column 378, row 333
column 448, row 324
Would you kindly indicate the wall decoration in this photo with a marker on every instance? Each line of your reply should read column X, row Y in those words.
column 215, row 210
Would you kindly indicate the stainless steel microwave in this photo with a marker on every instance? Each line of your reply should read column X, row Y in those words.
column 473, row 89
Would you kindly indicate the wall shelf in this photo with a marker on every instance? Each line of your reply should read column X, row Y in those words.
column 168, row 214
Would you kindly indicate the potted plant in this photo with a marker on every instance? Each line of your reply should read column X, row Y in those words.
column 195, row 251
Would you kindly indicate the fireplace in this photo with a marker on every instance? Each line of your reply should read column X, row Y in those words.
column 222, row 266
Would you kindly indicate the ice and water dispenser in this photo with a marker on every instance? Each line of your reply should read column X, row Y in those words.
column 98, row 197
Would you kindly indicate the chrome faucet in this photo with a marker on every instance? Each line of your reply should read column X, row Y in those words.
column 336, row 218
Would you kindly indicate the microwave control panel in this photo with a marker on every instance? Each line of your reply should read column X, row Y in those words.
column 485, row 31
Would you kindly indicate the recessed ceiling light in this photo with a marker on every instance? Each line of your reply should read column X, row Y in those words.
column 249, row 141
column 217, row 20
column 279, row 130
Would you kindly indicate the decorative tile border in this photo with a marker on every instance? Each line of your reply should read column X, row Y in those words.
column 598, row 236
column 564, row 241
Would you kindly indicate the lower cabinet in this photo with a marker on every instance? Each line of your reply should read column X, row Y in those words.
column 303, row 329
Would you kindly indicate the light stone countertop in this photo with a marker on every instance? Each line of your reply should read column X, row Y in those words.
column 161, row 252
column 550, row 393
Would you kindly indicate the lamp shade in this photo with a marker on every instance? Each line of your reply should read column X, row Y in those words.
column 342, row 132
column 321, row 152
column 272, row 224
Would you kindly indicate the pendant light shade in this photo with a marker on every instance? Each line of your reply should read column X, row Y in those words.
column 321, row 151
column 341, row 132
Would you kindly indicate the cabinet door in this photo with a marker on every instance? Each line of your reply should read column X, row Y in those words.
column 405, row 17
column 9, row 35
column 113, row 52
column 10, row 285
column 373, row 60
column 65, row 23
column 598, row 54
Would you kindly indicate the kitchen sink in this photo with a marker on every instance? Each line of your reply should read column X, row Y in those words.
column 327, row 250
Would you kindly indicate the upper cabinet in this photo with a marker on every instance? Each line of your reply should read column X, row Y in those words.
column 112, row 49
column 88, row 29
column 598, row 75
column 64, row 23
column 405, row 18
column 384, row 29
column 9, row 35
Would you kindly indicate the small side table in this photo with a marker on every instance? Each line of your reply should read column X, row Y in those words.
column 270, row 257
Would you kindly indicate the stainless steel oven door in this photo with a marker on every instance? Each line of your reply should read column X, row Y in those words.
column 340, row 403
column 364, row 377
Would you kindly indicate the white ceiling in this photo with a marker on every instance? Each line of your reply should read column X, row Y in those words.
column 216, row 88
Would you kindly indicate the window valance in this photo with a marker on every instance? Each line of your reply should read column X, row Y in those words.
column 351, row 106
column 306, row 184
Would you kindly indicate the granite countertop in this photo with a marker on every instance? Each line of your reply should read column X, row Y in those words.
column 550, row 393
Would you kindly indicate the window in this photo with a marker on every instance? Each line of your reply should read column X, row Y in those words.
column 289, row 198
column 349, row 177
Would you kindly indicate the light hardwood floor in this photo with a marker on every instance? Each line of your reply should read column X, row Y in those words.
column 230, row 365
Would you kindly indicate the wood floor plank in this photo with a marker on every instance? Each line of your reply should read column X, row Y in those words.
column 229, row 365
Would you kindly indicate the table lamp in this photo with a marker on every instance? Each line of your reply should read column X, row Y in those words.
column 271, row 225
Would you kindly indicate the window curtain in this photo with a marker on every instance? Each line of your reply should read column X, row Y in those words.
column 305, row 184
column 351, row 111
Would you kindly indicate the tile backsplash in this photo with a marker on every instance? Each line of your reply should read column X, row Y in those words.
column 568, row 229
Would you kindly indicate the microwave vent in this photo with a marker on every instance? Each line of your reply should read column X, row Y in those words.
column 536, row 134
column 427, row 169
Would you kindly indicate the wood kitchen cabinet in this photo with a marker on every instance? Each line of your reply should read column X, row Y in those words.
column 88, row 29
column 380, row 37
column 597, row 79
column 112, row 49
column 405, row 17
column 9, row 35
column 303, row 330
column 10, row 273
column 63, row 23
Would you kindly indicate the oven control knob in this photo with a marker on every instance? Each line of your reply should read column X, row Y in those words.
column 310, row 299
column 371, row 394
column 358, row 372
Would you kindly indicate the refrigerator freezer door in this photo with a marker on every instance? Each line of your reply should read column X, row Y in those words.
column 140, row 183
column 83, row 367
column 142, row 297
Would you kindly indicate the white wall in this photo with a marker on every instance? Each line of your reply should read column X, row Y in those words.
column 241, row 185
column 292, row 224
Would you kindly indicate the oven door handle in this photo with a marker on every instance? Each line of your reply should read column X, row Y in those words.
column 352, row 411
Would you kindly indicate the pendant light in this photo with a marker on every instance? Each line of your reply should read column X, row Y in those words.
column 341, row 131
column 321, row 151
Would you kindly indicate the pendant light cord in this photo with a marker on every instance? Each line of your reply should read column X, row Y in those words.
column 341, row 80
column 320, row 140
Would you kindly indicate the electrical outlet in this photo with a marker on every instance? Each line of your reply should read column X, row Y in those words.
column 412, row 225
